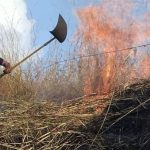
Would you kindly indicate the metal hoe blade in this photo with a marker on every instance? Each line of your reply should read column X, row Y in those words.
column 60, row 31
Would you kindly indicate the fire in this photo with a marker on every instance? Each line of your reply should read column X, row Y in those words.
column 105, row 29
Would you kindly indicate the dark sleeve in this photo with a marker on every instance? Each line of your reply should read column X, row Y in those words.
column 1, row 61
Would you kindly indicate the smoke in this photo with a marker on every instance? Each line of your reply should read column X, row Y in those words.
column 109, row 26
column 15, row 28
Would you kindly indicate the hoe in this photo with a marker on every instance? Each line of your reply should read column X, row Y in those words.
column 59, row 33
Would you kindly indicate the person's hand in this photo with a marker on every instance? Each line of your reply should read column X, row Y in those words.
column 7, row 69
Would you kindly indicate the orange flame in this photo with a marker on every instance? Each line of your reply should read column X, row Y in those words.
column 104, row 29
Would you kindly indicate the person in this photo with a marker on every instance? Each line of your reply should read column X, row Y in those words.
column 6, row 65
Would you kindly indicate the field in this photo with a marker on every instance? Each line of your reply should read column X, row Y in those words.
column 116, row 121
column 90, row 93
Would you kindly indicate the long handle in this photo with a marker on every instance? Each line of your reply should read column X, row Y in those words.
column 20, row 62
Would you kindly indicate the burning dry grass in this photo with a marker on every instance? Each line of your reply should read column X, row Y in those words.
column 122, row 124
column 106, row 28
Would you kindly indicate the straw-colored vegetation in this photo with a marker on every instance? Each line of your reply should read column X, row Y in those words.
column 78, row 124
column 43, row 125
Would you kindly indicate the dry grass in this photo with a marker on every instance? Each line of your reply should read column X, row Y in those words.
column 89, row 122
column 45, row 125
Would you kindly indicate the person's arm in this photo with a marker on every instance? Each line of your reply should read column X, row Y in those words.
column 6, row 65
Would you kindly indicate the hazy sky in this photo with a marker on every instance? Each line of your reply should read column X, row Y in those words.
column 45, row 13
column 13, row 16
column 42, row 15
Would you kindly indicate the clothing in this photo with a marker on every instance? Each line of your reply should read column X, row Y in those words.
column 6, row 65
column 1, row 61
